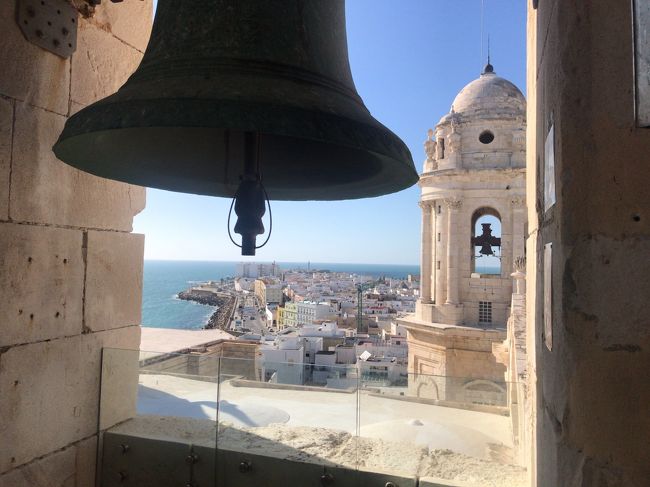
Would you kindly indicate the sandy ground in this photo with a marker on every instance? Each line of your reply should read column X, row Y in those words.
column 387, row 435
column 401, row 458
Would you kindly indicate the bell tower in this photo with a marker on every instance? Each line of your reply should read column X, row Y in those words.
column 473, row 230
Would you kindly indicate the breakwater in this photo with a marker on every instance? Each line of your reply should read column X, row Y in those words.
column 225, row 306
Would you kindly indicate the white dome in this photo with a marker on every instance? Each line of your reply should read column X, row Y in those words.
column 490, row 95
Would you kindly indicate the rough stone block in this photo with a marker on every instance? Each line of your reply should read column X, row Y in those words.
column 6, row 124
column 41, row 283
column 113, row 280
column 128, row 21
column 99, row 72
column 86, row 462
column 50, row 393
column 66, row 196
column 119, row 389
column 55, row 470
column 25, row 64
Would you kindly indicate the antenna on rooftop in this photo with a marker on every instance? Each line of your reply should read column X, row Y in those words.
column 482, row 10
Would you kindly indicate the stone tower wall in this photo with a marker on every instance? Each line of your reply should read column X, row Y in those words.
column 70, row 268
column 592, row 386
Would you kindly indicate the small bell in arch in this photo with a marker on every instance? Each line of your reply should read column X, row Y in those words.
column 486, row 241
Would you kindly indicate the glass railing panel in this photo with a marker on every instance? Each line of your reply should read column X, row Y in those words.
column 448, row 429
column 302, row 413
column 198, row 418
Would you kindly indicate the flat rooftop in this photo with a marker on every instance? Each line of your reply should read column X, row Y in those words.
column 168, row 340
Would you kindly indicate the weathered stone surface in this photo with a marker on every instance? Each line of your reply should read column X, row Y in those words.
column 97, row 73
column 50, row 393
column 128, row 21
column 45, row 190
column 120, row 369
column 436, row 482
column 55, row 470
column 49, row 385
column 6, row 124
column 25, row 62
column 75, row 107
column 41, row 283
column 592, row 390
column 113, row 280
column 86, row 460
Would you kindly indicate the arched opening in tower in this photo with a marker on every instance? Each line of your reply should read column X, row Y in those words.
column 486, row 242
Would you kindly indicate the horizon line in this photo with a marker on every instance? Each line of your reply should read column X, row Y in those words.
column 271, row 261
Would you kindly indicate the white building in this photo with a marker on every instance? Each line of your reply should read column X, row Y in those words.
column 282, row 361
column 256, row 269
column 308, row 312
column 325, row 367
column 326, row 329
column 382, row 371
column 244, row 284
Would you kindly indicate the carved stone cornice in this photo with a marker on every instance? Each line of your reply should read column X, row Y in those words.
column 453, row 203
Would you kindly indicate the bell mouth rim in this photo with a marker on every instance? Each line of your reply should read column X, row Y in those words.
column 388, row 177
column 390, row 167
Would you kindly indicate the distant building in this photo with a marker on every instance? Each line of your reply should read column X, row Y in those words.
column 282, row 361
column 268, row 290
column 308, row 312
column 255, row 269
column 287, row 315
column 326, row 329
column 324, row 366
column 244, row 284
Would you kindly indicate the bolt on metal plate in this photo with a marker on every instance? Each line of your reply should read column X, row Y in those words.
column 50, row 24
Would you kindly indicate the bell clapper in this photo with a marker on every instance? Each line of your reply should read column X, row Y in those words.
column 250, row 200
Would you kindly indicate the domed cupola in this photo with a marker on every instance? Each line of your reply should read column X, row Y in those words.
column 489, row 96
column 485, row 128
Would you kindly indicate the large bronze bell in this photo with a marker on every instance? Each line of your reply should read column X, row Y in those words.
column 217, row 71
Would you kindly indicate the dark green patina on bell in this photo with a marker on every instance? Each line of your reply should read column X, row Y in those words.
column 217, row 69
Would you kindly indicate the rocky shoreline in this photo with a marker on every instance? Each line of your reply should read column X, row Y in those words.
column 225, row 306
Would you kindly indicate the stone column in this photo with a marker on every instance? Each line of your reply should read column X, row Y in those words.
column 426, row 252
column 441, row 253
column 518, row 204
column 453, row 205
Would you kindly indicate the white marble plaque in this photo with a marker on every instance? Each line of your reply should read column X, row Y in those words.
column 642, row 61
column 549, row 169
column 548, row 295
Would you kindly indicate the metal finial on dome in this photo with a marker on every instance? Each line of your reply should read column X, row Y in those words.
column 488, row 67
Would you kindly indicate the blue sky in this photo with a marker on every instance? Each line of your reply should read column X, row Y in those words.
column 409, row 59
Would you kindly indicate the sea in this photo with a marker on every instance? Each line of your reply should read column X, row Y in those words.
column 164, row 279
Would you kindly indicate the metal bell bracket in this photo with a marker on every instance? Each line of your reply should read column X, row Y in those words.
column 51, row 24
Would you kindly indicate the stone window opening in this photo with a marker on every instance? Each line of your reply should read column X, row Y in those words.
column 441, row 147
column 485, row 312
column 486, row 137
column 486, row 254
